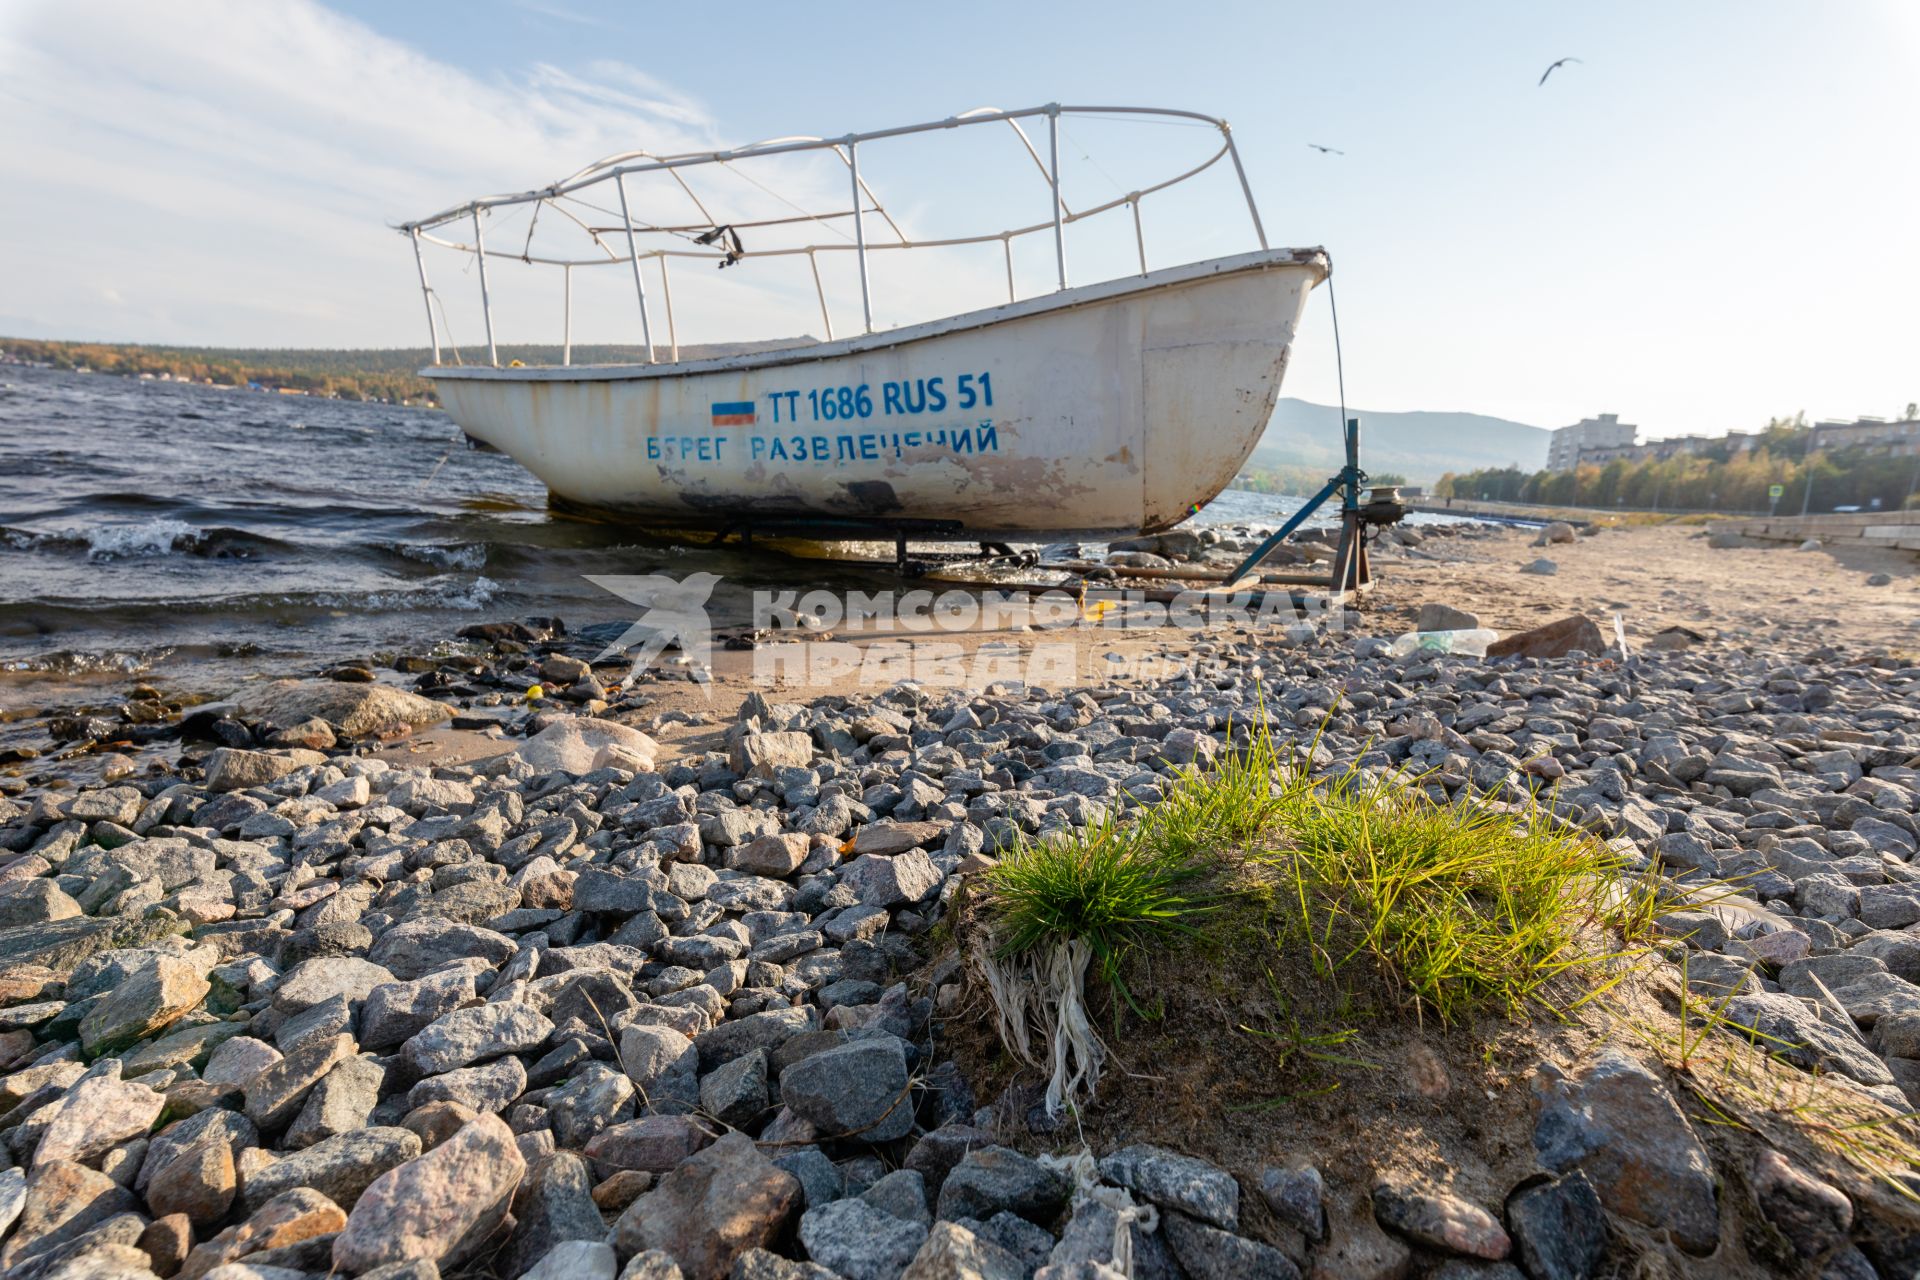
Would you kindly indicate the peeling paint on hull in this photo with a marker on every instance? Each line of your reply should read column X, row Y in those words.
column 1110, row 408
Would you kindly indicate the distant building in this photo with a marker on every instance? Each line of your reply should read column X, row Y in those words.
column 1567, row 445
column 1659, row 450
column 1873, row 433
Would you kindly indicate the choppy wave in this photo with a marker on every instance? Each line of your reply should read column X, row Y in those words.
column 75, row 662
column 147, row 538
column 468, row 556
column 445, row 592
column 143, row 539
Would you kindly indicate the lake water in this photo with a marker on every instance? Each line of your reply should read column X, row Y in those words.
column 154, row 526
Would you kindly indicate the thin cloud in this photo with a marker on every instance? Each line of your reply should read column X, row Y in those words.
column 231, row 169
column 559, row 13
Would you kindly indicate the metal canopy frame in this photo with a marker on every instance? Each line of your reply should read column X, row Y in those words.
column 563, row 197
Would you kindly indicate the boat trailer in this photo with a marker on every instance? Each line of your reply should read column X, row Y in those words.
column 1360, row 522
column 1365, row 510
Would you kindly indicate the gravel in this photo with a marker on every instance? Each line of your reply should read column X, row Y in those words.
column 370, row 1004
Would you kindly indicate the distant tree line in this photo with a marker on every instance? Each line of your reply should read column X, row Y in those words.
column 1295, row 480
column 1719, row 478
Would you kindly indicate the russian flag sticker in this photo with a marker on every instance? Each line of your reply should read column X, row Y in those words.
column 733, row 413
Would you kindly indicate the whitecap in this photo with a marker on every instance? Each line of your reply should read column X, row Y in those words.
column 148, row 538
column 458, row 555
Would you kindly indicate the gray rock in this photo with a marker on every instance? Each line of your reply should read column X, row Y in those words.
column 1443, row 617
column 154, row 996
column 340, row 1167
column 652, row 1143
column 892, row 881
column 1788, row 1027
column 1615, row 1121
column 331, row 1017
column 1439, row 1221
column 593, row 1100
column 1813, row 1216
column 937, row 1152
column 314, row 981
column 663, row 1064
column 580, row 1260
column 1890, row 906
column 214, row 1124
column 1559, row 1228
column 275, row 1096
column 555, row 1205
column 712, row 1208
column 1031, row 1245
column 396, row 1012
column 443, row 1205
column 860, row 1242
column 765, row 1030
column 487, row 1088
column 736, row 1092
column 354, row 709
column 990, row 1180
column 1297, row 1197
column 231, row 769
column 467, row 1036
column 902, row 1193
column 63, row 1201
column 340, row 1103
column 858, row 1090
column 31, row 902
column 820, row 1178
column 758, row 1264
column 1208, row 1253
column 418, row 947
column 1173, row 1181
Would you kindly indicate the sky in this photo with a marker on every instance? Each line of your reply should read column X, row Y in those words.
column 1711, row 219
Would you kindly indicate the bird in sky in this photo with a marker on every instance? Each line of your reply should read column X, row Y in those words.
column 1328, row 150
column 1555, row 67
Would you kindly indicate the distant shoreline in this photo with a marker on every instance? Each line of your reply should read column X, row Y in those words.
column 384, row 375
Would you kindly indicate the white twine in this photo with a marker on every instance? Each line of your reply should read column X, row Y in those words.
column 1048, row 991
column 1077, row 1052
column 1089, row 1189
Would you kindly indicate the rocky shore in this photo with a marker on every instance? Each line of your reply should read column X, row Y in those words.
column 277, row 1002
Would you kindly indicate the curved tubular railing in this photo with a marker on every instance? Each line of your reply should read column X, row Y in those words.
column 617, row 168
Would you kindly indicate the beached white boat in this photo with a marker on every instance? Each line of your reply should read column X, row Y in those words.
column 1118, row 406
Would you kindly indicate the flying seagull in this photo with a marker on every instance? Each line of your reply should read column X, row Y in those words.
column 1329, row 150
column 1555, row 67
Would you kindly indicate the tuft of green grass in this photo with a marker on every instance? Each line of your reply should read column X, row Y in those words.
column 1458, row 906
column 1107, row 885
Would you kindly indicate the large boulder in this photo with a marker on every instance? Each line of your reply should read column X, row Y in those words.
column 574, row 745
column 355, row 710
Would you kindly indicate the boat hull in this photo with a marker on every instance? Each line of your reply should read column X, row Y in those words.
column 1113, row 408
